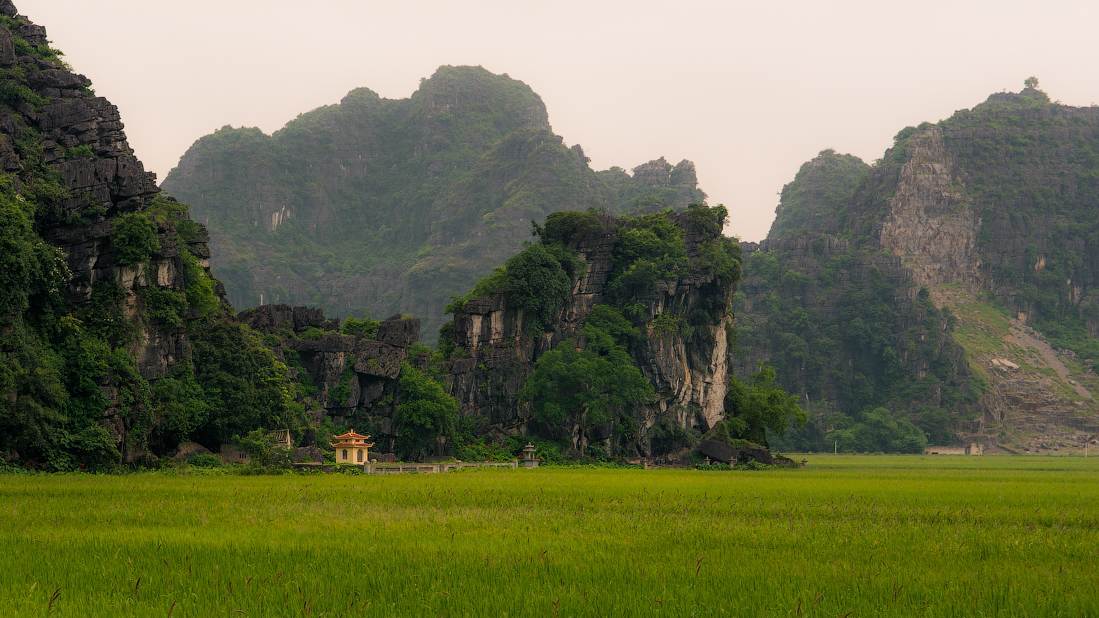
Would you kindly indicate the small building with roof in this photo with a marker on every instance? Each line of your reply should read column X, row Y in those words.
column 352, row 448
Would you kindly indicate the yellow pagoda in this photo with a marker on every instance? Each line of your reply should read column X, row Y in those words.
column 352, row 448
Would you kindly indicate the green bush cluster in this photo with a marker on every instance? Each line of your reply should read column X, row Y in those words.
column 590, row 388
column 360, row 327
column 134, row 238
column 879, row 431
column 759, row 406
column 201, row 290
column 165, row 307
column 426, row 418
column 648, row 249
column 537, row 280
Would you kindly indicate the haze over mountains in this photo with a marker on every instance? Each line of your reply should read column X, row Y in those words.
column 944, row 293
column 378, row 206
column 748, row 91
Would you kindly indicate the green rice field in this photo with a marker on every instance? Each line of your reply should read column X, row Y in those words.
column 844, row 536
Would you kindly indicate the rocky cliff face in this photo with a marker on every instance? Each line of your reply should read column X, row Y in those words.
column 354, row 376
column 930, row 225
column 113, row 334
column 995, row 213
column 494, row 347
column 63, row 129
column 992, row 212
column 67, row 150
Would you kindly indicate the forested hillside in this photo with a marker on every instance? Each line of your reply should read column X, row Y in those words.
column 977, row 235
column 379, row 206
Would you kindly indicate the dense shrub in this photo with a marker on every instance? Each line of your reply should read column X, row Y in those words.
column 360, row 327
column 537, row 280
column 201, row 290
column 164, row 307
column 880, row 431
column 426, row 417
column 595, row 389
column 204, row 460
column 134, row 238
column 245, row 387
column 758, row 406
column 571, row 227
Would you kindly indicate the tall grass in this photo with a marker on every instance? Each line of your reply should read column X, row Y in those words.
column 858, row 536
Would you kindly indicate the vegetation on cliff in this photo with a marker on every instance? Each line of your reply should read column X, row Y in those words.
column 842, row 322
column 1031, row 169
column 106, row 355
column 993, row 207
column 584, row 393
column 819, row 195
column 597, row 378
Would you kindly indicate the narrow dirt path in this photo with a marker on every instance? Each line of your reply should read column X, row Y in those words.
column 1020, row 337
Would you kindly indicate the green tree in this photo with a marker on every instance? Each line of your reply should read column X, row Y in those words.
column 245, row 386
column 179, row 405
column 264, row 451
column 759, row 406
column 134, row 238
column 584, row 390
column 426, row 418
column 880, row 431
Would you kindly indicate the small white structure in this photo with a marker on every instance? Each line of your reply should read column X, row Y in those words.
column 973, row 448
column 527, row 459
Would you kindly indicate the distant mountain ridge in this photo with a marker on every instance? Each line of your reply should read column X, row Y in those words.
column 992, row 217
column 381, row 206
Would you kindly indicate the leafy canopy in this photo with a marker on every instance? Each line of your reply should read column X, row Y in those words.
column 426, row 416
column 585, row 389
column 758, row 406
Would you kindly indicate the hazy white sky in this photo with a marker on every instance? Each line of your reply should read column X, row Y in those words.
column 747, row 90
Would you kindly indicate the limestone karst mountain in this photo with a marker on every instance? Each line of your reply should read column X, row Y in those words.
column 115, row 341
column 651, row 295
column 975, row 237
column 378, row 206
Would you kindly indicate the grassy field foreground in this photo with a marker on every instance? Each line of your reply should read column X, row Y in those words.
column 854, row 536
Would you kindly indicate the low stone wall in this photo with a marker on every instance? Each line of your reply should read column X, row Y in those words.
column 433, row 468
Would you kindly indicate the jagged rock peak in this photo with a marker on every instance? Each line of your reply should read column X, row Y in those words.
column 450, row 179
column 453, row 89
column 660, row 173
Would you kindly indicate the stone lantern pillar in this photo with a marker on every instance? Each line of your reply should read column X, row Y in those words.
column 527, row 458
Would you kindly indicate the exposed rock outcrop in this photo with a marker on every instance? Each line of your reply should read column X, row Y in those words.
column 53, row 127
column 930, row 224
column 496, row 348
column 355, row 376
